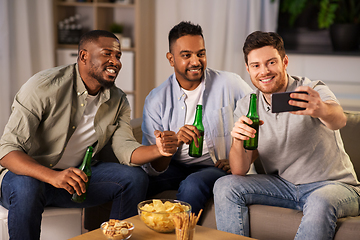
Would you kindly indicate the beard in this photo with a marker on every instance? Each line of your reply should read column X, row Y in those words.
column 104, row 83
column 280, row 83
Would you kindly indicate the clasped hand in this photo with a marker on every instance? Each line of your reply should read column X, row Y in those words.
column 166, row 142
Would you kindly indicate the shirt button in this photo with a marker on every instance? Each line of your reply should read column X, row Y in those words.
column 51, row 165
column 73, row 127
column 182, row 107
column 82, row 104
column 78, row 93
column 85, row 92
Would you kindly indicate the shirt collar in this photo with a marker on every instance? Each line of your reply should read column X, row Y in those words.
column 81, row 89
column 292, row 84
column 180, row 94
column 80, row 86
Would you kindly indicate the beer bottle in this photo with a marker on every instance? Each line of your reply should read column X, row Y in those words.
column 252, row 143
column 193, row 150
column 86, row 168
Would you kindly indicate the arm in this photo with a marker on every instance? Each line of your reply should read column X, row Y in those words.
column 160, row 154
column 22, row 164
column 185, row 135
column 329, row 112
column 239, row 158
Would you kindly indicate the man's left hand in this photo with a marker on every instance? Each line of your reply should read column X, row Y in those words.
column 224, row 165
column 166, row 142
column 314, row 105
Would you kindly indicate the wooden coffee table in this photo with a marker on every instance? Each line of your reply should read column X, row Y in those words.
column 142, row 232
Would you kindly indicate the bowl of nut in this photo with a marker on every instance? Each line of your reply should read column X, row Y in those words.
column 158, row 214
column 117, row 230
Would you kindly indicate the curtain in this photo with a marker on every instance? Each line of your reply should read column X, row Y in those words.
column 225, row 23
column 27, row 46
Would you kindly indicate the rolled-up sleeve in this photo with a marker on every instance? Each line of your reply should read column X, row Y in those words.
column 123, row 140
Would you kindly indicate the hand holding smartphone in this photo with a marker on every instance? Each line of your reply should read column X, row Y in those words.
column 280, row 102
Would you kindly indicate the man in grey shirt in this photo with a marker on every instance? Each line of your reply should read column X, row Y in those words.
column 302, row 151
column 55, row 116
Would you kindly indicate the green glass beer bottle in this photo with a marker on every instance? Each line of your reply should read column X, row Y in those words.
column 252, row 143
column 193, row 150
column 86, row 168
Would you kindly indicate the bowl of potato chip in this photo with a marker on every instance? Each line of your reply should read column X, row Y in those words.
column 158, row 214
column 117, row 229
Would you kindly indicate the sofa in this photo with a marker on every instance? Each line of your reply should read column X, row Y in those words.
column 266, row 222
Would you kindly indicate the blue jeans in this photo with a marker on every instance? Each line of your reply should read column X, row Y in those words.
column 194, row 183
column 26, row 197
column 322, row 203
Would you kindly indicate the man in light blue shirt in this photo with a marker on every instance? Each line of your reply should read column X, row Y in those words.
column 172, row 105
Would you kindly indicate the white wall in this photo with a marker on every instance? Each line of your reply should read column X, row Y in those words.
column 340, row 73
column 163, row 68
column 225, row 24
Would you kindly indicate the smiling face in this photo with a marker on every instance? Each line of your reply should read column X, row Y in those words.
column 100, row 61
column 267, row 70
column 188, row 57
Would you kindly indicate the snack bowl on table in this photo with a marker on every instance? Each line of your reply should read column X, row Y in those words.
column 117, row 229
column 158, row 214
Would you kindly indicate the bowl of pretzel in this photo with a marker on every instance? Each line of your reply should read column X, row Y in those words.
column 117, row 230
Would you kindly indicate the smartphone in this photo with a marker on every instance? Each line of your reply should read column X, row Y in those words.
column 280, row 102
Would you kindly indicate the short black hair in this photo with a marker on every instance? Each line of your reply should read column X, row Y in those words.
column 182, row 29
column 259, row 39
column 94, row 36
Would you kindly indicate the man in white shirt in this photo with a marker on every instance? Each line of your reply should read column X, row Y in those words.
column 172, row 105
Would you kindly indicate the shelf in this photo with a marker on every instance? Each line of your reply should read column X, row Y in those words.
column 115, row 5
column 321, row 50
column 95, row 4
column 75, row 4
column 75, row 46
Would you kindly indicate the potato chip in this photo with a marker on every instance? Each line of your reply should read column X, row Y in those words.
column 158, row 214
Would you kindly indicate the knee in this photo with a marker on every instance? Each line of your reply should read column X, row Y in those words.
column 137, row 176
column 26, row 190
column 194, row 185
column 223, row 188
column 320, row 203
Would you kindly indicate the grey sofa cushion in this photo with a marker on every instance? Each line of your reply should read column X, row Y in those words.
column 351, row 138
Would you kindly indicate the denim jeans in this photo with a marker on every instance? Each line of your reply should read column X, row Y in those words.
column 322, row 203
column 194, row 183
column 26, row 197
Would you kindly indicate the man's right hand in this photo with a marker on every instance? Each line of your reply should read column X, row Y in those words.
column 242, row 131
column 71, row 179
column 188, row 133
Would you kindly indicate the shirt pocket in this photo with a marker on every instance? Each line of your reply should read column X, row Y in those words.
column 221, row 121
